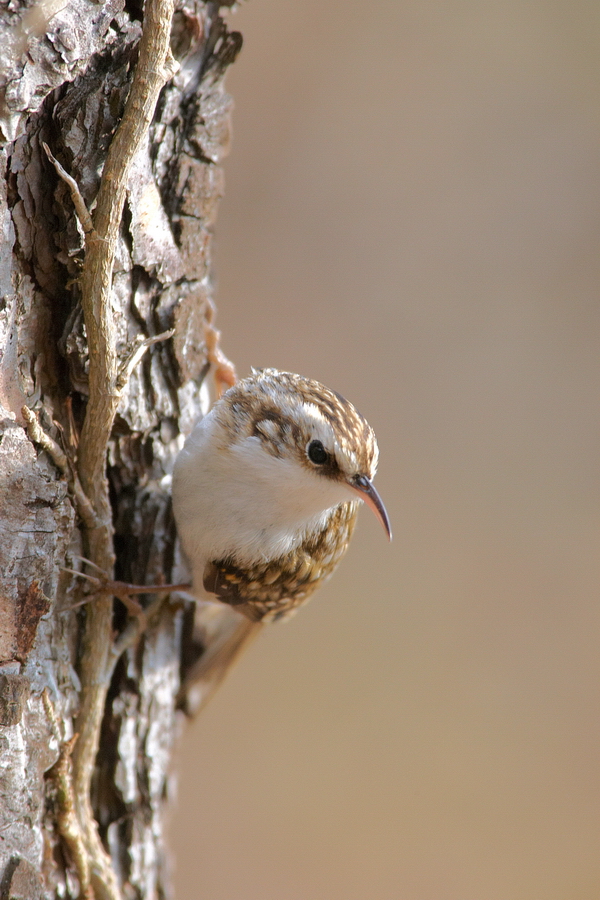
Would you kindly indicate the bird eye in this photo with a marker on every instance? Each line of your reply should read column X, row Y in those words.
column 317, row 453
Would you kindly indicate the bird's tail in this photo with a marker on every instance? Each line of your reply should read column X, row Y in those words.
column 223, row 633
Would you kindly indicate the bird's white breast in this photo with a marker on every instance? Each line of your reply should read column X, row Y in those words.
column 232, row 498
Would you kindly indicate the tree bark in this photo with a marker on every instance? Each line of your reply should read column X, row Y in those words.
column 92, row 410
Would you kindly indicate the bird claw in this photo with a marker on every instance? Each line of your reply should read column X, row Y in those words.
column 122, row 590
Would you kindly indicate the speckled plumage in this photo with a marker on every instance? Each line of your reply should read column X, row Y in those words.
column 261, row 522
column 269, row 404
column 273, row 590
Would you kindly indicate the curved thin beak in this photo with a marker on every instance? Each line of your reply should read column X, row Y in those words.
column 364, row 487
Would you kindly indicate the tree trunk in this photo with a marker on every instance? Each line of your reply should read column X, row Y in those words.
column 91, row 417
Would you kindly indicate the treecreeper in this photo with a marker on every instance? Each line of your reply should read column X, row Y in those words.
column 266, row 492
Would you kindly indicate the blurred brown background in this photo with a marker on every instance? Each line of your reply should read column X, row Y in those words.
column 412, row 216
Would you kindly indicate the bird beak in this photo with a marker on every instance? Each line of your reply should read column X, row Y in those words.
column 365, row 489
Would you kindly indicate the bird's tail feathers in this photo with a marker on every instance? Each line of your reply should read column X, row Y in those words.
column 224, row 634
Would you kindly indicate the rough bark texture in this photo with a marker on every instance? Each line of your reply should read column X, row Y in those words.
column 66, row 71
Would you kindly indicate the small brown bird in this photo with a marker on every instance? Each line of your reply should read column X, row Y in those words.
column 266, row 492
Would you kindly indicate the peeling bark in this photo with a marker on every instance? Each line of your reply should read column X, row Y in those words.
column 66, row 73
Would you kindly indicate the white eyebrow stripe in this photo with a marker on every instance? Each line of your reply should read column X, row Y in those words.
column 311, row 409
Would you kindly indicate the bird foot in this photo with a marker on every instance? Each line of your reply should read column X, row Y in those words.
column 123, row 590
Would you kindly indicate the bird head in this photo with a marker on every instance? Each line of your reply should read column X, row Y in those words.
column 312, row 444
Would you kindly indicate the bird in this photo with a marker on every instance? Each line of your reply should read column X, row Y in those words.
column 266, row 492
